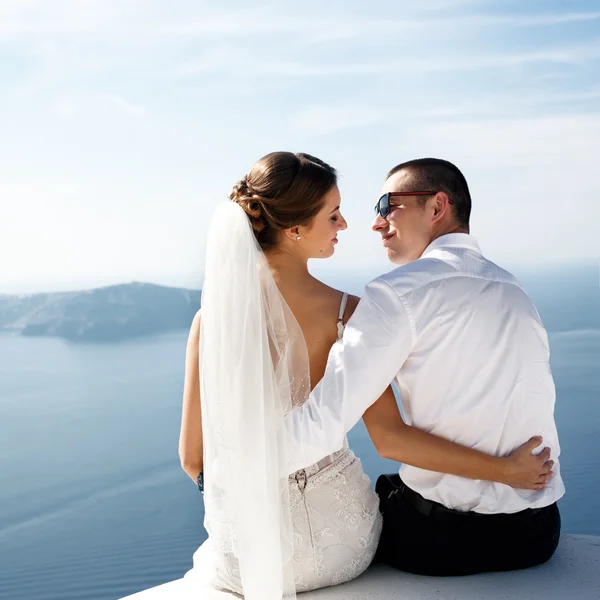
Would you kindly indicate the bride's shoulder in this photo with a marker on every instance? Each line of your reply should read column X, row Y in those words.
column 197, row 319
column 195, row 326
column 353, row 302
column 331, row 299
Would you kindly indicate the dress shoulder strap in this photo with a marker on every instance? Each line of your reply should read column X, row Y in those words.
column 340, row 323
column 343, row 306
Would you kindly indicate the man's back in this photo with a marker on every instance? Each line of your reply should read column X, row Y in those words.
column 478, row 372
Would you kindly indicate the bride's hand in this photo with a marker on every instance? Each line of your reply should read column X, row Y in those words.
column 526, row 471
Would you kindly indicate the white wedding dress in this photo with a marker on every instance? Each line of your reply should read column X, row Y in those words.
column 336, row 525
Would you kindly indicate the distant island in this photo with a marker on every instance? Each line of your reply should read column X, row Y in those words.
column 566, row 296
column 104, row 314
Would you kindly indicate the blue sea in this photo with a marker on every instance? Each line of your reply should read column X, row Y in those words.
column 93, row 502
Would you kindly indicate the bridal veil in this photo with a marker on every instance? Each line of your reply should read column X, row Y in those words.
column 253, row 368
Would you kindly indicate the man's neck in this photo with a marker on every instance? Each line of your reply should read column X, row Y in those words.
column 445, row 231
column 449, row 230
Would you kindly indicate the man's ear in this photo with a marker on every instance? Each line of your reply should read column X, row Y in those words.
column 441, row 205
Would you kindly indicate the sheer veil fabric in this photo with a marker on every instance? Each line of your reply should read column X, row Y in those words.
column 254, row 368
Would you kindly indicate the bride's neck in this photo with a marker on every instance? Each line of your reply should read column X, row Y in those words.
column 287, row 267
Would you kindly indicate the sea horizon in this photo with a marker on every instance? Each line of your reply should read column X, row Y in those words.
column 97, row 505
column 318, row 268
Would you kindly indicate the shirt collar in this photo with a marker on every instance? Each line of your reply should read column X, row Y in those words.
column 454, row 240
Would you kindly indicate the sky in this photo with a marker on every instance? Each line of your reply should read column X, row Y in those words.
column 124, row 122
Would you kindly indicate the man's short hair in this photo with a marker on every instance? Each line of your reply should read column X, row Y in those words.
column 439, row 175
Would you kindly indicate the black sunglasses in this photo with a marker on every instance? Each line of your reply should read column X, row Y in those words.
column 384, row 207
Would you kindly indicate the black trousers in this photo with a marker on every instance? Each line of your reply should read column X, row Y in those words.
column 424, row 537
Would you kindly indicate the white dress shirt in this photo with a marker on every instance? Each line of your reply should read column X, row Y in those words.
column 470, row 356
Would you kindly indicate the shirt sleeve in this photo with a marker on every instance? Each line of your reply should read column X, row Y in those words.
column 376, row 343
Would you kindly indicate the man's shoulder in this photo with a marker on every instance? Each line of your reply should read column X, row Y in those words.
column 417, row 274
column 429, row 271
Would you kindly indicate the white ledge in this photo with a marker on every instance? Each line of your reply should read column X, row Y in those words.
column 572, row 573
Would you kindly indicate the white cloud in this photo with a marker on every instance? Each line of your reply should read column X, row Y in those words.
column 23, row 18
column 154, row 109
column 95, row 103
column 121, row 104
column 322, row 119
column 87, row 39
column 211, row 60
column 263, row 65
column 554, row 141
column 35, row 18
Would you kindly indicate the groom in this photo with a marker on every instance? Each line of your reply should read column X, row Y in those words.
column 466, row 348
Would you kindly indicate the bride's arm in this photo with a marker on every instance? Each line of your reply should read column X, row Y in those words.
column 398, row 441
column 190, row 437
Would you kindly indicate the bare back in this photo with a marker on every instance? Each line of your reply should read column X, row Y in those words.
column 316, row 307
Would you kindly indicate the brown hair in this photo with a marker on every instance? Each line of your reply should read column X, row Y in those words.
column 283, row 190
column 440, row 175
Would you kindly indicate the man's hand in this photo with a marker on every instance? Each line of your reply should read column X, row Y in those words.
column 526, row 471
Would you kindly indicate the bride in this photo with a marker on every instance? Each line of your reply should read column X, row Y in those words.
column 255, row 351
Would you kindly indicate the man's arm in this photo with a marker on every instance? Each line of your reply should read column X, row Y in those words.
column 397, row 441
column 377, row 341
